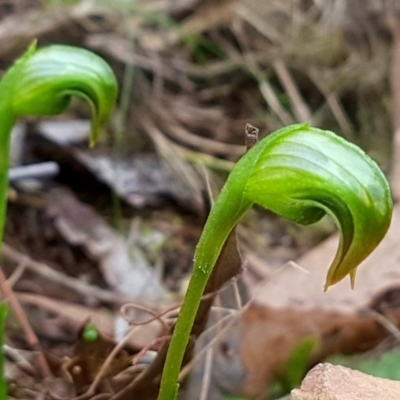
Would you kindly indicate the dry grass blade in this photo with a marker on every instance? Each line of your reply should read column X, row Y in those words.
column 205, row 145
column 264, row 85
column 174, row 161
column 63, row 25
column 395, row 86
column 207, row 374
column 300, row 107
column 334, row 104
column 252, row 17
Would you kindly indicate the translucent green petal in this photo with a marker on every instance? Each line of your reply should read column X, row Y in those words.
column 48, row 77
column 302, row 172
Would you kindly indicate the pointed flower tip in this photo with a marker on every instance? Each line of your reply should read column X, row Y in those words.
column 353, row 274
column 94, row 134
column 32, row 47
column 366, row 235
column 331, row 281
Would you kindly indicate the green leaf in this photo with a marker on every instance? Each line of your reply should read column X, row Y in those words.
column 300, row 173
column 299, row 361
column 385, row 366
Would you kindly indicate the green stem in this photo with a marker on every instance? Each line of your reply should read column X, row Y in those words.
column 214, row 235
column 180, row 338
column 7, row 121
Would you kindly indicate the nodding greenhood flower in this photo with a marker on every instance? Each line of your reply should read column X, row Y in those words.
column 42, row 82
column 300, row 173
column 303, row 173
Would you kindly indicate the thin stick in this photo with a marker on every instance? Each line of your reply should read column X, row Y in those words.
column 334, row 104
column 300, row 107
column 205, row 385
column 265, row 87
column 44, row 270
column 17, row 273
column 231, row 319
column 155, row 316
column 394, row 26
column 19, row 360
column 148, row 347
column 236, row 291
column 26, row 327
column 386, row 323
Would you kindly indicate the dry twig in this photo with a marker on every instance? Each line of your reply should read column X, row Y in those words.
column 19, row 313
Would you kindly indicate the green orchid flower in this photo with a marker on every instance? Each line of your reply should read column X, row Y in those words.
column 42, row 82
column 300, row 173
